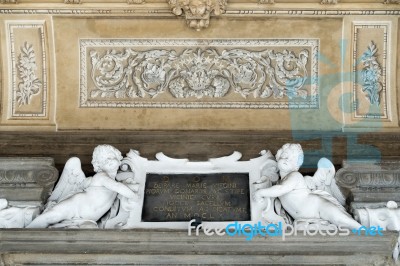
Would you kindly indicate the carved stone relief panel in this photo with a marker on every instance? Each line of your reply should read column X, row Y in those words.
column 28, row 87
column 371, row 75
column 199, row 73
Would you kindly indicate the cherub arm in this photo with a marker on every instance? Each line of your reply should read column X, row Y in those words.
column 278, row 190
column 119, row 188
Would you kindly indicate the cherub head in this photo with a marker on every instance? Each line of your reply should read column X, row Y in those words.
column 386, row 217
column 290, row 157
column 106, row 159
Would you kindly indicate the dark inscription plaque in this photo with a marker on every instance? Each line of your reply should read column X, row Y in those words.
column 210, row 197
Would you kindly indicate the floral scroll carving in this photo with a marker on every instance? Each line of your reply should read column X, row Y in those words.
column 198, row 73
column 371, row 74
column 197, row 12
column 30, row 85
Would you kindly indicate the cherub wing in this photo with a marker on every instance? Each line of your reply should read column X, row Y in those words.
column 324, row 179
column 71, row 181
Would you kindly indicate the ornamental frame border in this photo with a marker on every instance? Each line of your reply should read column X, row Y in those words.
column 136, row 167
column 10, row 25
column 311, row 103
column 385, row 67
column 166, row 11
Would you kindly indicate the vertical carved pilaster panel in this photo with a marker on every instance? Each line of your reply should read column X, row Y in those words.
column 28, row 69
column 370, row 63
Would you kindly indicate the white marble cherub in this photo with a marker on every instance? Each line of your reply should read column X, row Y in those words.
column 85, row 199
column 297, row 198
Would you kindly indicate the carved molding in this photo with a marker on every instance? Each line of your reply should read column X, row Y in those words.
column 27, row 179
column 135, row 2
column 8, row 1
column 28, row 73
column 329, row 2
column 197, row 12
column 151, row 11
column 370, row 64
column 266, row 1
column 391, row 2
column 370, row 181
column 72, row 1
column 274, row 71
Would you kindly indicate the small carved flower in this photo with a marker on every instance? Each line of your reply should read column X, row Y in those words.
column 107, row 65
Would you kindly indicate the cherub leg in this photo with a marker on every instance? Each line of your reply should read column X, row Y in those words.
column 335, row 216
column 51, row 217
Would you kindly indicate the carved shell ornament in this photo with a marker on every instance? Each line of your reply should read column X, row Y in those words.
column 197, row 12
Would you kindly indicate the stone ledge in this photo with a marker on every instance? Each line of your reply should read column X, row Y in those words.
column 129, row 247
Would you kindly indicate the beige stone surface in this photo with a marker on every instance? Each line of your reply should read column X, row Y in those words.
column 73, row 117
column 332, row 25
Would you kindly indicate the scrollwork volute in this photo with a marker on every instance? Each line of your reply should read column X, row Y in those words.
column 197, row 12
column 346, row 179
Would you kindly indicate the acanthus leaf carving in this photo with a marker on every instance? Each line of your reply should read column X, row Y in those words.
column 30, row 84
column 199, row 73
column 371, row 74
column 197, row 12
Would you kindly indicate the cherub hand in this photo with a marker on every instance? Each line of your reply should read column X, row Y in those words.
column 258, row 197
column 135, row 198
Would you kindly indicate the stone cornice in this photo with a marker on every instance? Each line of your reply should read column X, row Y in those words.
column 199, row 13
column 164, row 11
column 132, row 7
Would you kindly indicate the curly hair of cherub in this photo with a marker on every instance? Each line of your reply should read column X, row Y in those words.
column 293, row 148
column 102, row 153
